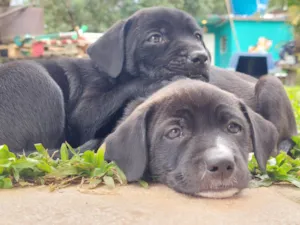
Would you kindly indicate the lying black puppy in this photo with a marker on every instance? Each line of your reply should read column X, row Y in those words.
column 88, row 96
column 193, row 137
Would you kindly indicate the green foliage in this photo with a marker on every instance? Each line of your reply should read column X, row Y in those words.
column 282, row 168
column 293, row 2
column 294, row 96
column 276, row 4
column 64, row 15
column 293, row 8
column 40, row 168
column 99, row 15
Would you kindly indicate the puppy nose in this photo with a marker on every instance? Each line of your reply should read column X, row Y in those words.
column 221, row 167
column 198, row 57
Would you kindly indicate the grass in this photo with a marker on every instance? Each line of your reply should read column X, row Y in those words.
column 90, row 167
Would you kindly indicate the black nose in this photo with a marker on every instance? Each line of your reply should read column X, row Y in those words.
column 198, row 57
column 221, row 167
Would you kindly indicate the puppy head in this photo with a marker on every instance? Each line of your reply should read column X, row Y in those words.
column 152, row 42
column 193, row 137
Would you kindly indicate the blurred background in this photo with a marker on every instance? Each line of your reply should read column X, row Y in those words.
column 252, row 36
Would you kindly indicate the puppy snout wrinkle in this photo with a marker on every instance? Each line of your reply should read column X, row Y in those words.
column 198, row 57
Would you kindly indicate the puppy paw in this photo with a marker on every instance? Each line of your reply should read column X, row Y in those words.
column 286, row 145
column 93, row 145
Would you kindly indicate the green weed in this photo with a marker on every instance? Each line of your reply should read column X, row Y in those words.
column 40, row 168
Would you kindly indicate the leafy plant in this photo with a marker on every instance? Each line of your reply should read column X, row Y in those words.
column 40, row 168
column 282, row 168
column 293, row 15
column 294, row 96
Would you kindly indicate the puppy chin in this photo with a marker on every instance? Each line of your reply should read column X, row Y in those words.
column 219, row 194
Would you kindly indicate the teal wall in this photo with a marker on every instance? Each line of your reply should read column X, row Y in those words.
column 222, row 58
column 248, row 33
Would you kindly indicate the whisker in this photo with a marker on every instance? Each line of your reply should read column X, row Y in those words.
column 205, row 171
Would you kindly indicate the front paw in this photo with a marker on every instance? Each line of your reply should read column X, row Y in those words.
column 92, row 145
column 286, row 145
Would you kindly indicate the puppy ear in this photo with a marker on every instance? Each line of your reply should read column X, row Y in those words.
column 108, row 51
column 264, row 135
column 127, row 145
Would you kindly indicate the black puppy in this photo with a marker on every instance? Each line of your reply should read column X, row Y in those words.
column 193, row 137
column 130, row 60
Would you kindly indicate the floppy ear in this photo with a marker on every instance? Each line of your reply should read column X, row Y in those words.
column 264, row 135
column 127, row 145
column 108, row 51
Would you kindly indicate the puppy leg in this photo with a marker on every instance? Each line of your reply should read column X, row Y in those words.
column 274, row 105
column 93, row 145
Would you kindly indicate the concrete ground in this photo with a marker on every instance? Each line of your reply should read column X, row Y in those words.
column 157, row 205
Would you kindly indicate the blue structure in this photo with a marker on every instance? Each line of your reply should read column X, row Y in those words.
column 248, row 7
column 248, row 30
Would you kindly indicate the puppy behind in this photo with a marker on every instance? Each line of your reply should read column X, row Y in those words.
column 31, row 109
column 193, row 137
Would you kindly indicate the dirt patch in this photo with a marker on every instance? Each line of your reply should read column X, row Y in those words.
column 136, row 205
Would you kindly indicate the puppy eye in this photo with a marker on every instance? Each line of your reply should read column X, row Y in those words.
column 174, row 133
column 234, row 128
column 198, row 36
column 155, row 38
